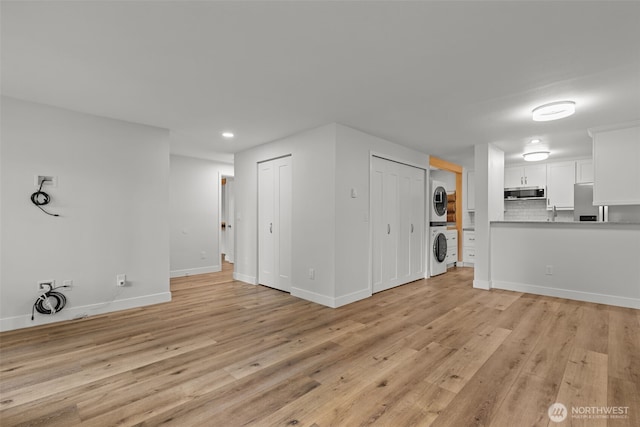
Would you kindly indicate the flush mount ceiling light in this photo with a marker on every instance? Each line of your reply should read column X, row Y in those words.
column 227, row 134
column 536, row 156
column 554, row 111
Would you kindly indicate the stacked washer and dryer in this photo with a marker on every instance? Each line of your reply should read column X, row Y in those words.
column 438, row 228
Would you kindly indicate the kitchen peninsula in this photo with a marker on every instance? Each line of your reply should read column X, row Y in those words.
column 587, row 261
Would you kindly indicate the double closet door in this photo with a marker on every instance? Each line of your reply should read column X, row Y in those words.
column 274, row 223
column 398, row 221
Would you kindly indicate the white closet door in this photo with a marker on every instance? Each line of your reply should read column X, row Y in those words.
column 283, row 187
column 378, row 223
column 397, row 221
column 390, row 213
column 274, row 223
column 266, row 219
column 404, row 231
column 231, row 216
column 417, row 224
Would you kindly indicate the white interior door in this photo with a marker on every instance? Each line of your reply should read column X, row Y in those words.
column 405, row 208
column 266, row 218
column 417, row 245
column 390, row 250
column 274, row 223
column 230, row 206
column 378, row 223
column 283, row 199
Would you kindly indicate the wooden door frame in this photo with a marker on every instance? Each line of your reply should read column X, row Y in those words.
column 457, row 170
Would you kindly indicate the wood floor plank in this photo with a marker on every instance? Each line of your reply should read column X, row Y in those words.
column 433, row 352
column 584, row 384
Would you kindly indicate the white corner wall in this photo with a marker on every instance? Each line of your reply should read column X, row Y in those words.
column 489, row 180
column 113, row 201
column 313, row 219
column 194, row 195
column 352, row 232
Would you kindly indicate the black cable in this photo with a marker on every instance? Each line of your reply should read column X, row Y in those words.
column 50, row 302
column 40, row 198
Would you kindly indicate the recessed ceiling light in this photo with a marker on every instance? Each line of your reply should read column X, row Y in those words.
column 554, row 111
column 536, row 156
column 227, row 134
column 535, row 141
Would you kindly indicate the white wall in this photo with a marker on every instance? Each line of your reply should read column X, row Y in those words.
column 195, row 214
column 353, row 235
column 113, row 201
column 313, row 210
column 596, row 262
column 448, row 178
column 489, row 179
column 331, row 231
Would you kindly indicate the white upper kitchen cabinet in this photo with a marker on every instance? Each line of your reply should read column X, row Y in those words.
column 584, row 171
column 616, row 165
column 560, row 179
column 525, row 176
column 471, row 191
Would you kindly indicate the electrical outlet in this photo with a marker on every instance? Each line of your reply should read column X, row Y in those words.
column 312, row 274
column 121, row 280
column 68, row 285
column 549, row 271
column 49, row 180
column 43, row 285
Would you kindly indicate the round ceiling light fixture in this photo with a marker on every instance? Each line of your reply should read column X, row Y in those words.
column 554, row 111
column 227, row 134
column 536, row 156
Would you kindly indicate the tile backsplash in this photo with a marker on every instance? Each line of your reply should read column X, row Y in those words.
column 532, row 210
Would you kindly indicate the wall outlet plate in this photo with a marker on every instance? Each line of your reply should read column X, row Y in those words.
column 121, row 280
column 49, row 180
column 42, row 285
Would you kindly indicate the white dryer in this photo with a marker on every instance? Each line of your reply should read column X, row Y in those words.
column 438, row 202
column 438, row 250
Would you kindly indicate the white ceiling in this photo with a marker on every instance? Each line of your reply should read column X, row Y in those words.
column 436, row 76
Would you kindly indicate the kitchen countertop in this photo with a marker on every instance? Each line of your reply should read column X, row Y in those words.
column 569, row 223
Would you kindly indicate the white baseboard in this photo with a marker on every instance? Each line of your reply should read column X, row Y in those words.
column 193, row 271
column 569, row 294
column 482, row 284
column 245, row 278
column 313, row 297
column 24, row 321
column 352, row 297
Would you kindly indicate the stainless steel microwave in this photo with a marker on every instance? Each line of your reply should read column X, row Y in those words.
column 526, row 193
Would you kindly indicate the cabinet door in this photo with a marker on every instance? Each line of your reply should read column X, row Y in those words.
column 471, row 191
column 513, row 177
column 535, row 176
column 561, row 177
column 584, row 171
column 616, row 167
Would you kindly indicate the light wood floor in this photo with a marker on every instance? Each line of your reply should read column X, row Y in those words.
column 224, row 353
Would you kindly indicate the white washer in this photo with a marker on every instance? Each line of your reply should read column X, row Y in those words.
column 438, row 249
column 438, row 202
